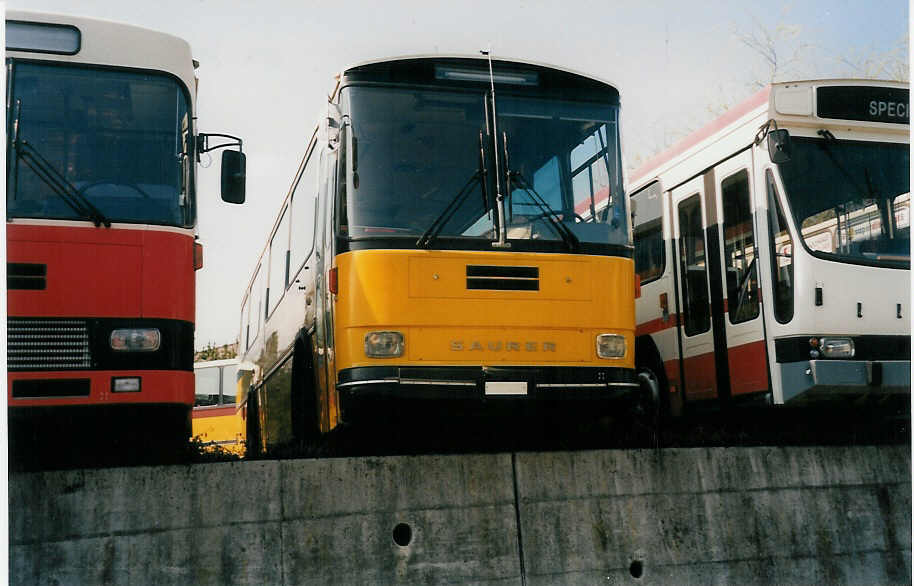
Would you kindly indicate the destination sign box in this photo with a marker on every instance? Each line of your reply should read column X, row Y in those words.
column 866, row 103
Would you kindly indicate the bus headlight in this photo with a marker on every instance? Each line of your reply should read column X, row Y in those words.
column 836, row 347
column 136, row 340
column 384, row 344
column 610, row 346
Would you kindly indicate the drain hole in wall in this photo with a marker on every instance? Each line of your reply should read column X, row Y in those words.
column 402, row 534
column 636, row 569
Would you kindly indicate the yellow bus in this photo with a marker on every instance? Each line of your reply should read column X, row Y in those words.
column 217, row 419
column 457, row 235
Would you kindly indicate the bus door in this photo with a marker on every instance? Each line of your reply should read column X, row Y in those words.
column 743, row 326
column 699, row 376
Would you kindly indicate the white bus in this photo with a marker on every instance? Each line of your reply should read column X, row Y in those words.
column 773, row 248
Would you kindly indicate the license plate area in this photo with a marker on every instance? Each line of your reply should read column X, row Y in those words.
column 506, row 388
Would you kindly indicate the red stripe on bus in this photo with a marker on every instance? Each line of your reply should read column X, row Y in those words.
column 748, row 368
column 657, row 325
column 583, row 207
column 699, row 135
column 701, row 376
column 204, row 412
column 156, row 386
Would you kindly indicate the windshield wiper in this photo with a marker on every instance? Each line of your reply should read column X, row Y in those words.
column 826, row 146
column 447, row 213
column 45, row 171
column 58, row 183
column 574, row 244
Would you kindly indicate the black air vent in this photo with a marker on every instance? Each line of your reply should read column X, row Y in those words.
column 21, row 275
column 501, row 278
column 47, row 344
column 46, row 389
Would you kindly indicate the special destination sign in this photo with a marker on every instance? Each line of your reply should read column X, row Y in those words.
column 866, row 103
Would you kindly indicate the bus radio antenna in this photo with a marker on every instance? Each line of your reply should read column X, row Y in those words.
column 499, row 197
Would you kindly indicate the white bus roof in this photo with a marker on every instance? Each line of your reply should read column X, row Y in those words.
column 107, row 43
column 215, row 363
column 790, row 104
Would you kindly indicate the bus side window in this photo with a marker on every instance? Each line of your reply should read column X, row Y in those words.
column 649, row 250
column 279, row 246
column 229, row 384
column 303, row 215
column 206, row 386
column 694, row 268
column 245, row 339
column 650, row 255
column 781, row 245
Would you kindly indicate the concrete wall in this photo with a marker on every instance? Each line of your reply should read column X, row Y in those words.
column 689, row 516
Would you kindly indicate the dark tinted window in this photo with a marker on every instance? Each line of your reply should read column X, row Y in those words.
column 851, row 199
column 118, row 139
column 418, row 153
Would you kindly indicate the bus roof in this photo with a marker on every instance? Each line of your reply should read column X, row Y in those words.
column 113, row 44
column 790, row 104
column 477, row 57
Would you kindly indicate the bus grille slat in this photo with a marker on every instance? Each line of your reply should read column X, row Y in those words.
column 503, row 278
column 47, row 344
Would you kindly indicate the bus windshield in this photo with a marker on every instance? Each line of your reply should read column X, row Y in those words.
column 417, row 150
column 115, row 140
column 851, row 199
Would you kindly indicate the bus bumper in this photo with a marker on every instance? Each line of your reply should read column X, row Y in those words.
column 477, row 388
column 814, row 380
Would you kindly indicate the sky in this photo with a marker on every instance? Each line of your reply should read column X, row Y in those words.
column 266, row 69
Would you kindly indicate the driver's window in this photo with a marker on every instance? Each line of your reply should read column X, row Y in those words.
column 589, row 172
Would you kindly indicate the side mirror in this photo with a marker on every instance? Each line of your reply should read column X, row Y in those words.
column 332, row 125
column 779, row 146
column 233, row 176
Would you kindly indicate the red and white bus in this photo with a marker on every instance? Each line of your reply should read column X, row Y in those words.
column 773, row 247
column 102, row 150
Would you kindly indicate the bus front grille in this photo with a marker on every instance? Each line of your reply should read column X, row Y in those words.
column 47, row 344
column 503, row 278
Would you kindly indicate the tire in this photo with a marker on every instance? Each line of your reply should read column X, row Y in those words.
column 653, row 381
column 304, row 412
column 252, row 427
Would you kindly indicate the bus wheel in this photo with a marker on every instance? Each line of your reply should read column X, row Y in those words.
column 305, row 419
column 252, row 427
column 653, row 400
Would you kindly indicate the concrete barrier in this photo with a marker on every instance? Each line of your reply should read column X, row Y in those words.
column 292, row 522
column 689, row 516
column 717, row 516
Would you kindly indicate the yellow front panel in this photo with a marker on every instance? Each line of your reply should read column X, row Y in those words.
column 424, row 294
column 224, row 431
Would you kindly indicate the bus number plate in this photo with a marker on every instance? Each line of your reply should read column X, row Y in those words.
column 506, row 388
